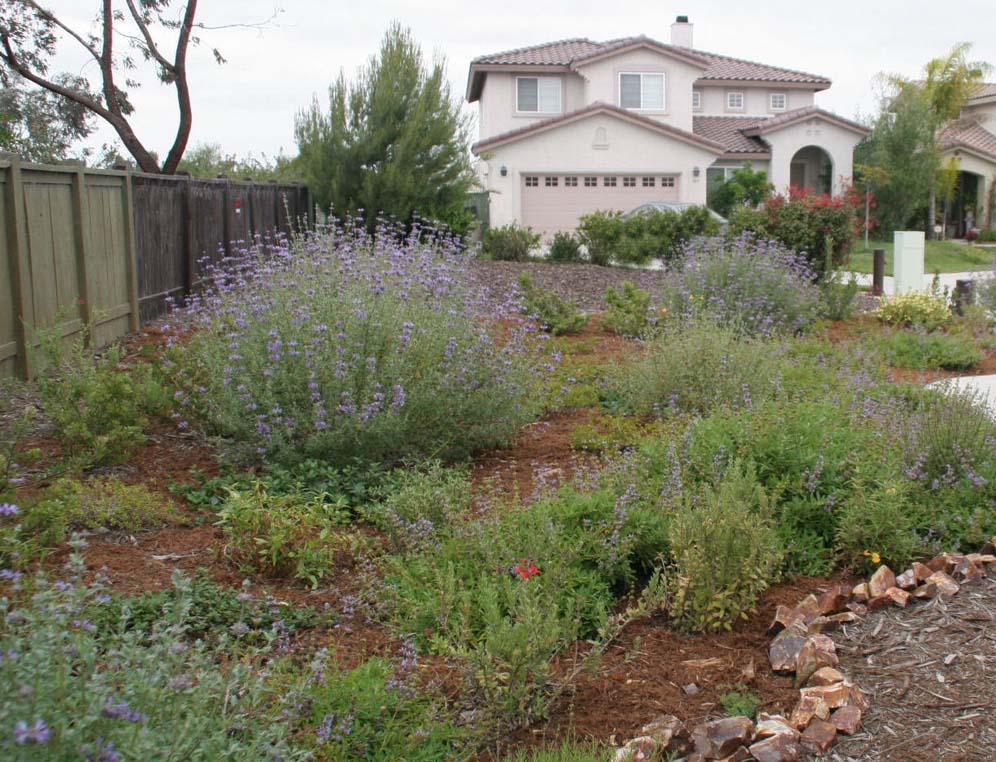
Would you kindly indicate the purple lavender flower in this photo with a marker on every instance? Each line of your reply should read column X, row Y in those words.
column 39, row 733
column 120, row 710
column 100, row 752
column 8, row 509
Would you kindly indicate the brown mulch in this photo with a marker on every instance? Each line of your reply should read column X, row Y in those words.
column 585, row 284
column 931, row 672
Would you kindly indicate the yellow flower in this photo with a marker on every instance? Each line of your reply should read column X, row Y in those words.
column 875, row 557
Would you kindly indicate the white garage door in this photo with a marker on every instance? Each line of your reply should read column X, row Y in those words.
column 556, row 202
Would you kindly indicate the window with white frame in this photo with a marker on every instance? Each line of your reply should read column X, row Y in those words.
column 532, row 182
column 667, row 182
column 609, row 182
column 550, row 181
column 590, row 182
column 641, row 91
column 648, row 182
column 696, row 99
column 777, row 101
column 571, row 182
column 537, row 95
column 735, row 101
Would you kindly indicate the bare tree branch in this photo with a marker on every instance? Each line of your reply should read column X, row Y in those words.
column 147, row 35
column 48, row 16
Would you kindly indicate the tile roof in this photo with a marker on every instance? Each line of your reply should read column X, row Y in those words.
column 727, row 130
column 599, row 106
column 797, row 115
column 970, row 136
column 571, row 52
column 985, row 90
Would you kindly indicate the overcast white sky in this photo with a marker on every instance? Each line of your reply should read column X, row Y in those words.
column 248, row 104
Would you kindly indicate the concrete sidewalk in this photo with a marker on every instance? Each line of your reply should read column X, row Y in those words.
column 983, row 386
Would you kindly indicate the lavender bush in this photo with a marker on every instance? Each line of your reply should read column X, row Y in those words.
column 757, row 287
column 71, row 691
column 344, row 344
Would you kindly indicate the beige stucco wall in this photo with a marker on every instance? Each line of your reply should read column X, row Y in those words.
column 756, row 101
column 602, row 83
column 986, row 114
column 836, row 141
column 569, row 150
column 496, row 107
column 986, row 170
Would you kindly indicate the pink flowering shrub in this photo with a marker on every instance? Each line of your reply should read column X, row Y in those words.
column 343, row 344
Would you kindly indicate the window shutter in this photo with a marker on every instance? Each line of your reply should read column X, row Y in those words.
column 629, row 90
column 549, row 95
column 653, row 91
column 528, row 99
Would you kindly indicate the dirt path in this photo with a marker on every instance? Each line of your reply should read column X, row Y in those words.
column 931, row 672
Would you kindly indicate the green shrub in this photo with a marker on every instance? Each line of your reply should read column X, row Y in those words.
column 724, row 552
column 927, row 351
column 416, row 504
column 836, row 293
column 744, row 187
column 695, row 367
column 605, row 434
column 565, row 248
column 927, row 311
column 289, row 536
column 97, row 407
column 755, row 286
column 802, row 222
column 876, row 520
column 601, row 233
column 349, row 347
column 629, row 310
column 378, row 711
column 510, row 243
column 554, row 313
column 987, row 236
column 76, row 692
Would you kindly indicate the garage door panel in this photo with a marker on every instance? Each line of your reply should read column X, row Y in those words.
column 550, row 208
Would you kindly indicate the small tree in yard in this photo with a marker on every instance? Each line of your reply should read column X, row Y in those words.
column 392, row 142
column 744, row 187
column 128, row 34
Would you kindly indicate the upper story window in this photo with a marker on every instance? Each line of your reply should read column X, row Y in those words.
column 696, row 99
column 735, row 101
column 777, row 101
column 641, row 91
column 537, row 95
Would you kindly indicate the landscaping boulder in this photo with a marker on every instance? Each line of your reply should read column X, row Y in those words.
column 907, row 580
column 945, row 584
column 818, row 651
column 819, row 736
column 826, row 676
column 784, row 649
column 769, row 725
column 847, row 719
column 778, row 748
column 669, row 732
column 921, row 571
column 720, row 738
column 834, row 599
column 640, row 749
column 880, row 581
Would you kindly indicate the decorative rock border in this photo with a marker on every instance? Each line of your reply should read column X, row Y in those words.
column 829, row 703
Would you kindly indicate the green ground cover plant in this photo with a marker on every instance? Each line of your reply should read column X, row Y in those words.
column 628, row 312
column 509, row 243
column 917, row 350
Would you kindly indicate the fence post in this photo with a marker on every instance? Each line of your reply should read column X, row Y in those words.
column 225, row 224
column 81, row 215
column 878, row 272
column 190, row 258
column 964, row 295
column 132, row 252
column 17, row 236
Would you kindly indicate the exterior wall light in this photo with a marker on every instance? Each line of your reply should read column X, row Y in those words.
column 504, row 171
column 696, row 172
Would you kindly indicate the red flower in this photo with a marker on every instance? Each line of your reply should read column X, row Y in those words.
column 525, row 570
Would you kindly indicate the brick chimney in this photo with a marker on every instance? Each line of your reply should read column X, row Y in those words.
column 681, row 32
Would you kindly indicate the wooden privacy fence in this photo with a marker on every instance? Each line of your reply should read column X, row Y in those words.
column 107, row 248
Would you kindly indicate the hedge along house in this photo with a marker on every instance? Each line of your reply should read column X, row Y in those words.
column 970, row 142
column 574, row 126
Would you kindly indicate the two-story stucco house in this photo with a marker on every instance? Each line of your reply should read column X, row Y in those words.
column 573, row 126
column 971, row 141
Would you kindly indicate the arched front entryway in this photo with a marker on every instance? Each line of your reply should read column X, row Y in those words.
column 811, row 169
column 966, row 208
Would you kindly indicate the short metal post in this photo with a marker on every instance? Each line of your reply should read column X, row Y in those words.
column 878, row 272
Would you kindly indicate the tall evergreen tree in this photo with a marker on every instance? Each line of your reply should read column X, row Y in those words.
column 392, row 142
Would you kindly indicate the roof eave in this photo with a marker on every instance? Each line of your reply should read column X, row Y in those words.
column 665, row 50
column 746, row 155
column 787, row 85
column 971, row 150
column 479, row 71
column 761, row 130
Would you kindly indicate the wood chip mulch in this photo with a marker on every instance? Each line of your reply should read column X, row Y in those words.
column 931, row 672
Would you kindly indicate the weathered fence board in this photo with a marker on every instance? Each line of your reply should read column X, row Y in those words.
column 109, row 248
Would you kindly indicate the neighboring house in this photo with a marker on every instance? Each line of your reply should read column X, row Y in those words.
column 573, row 126
column 971, row 140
